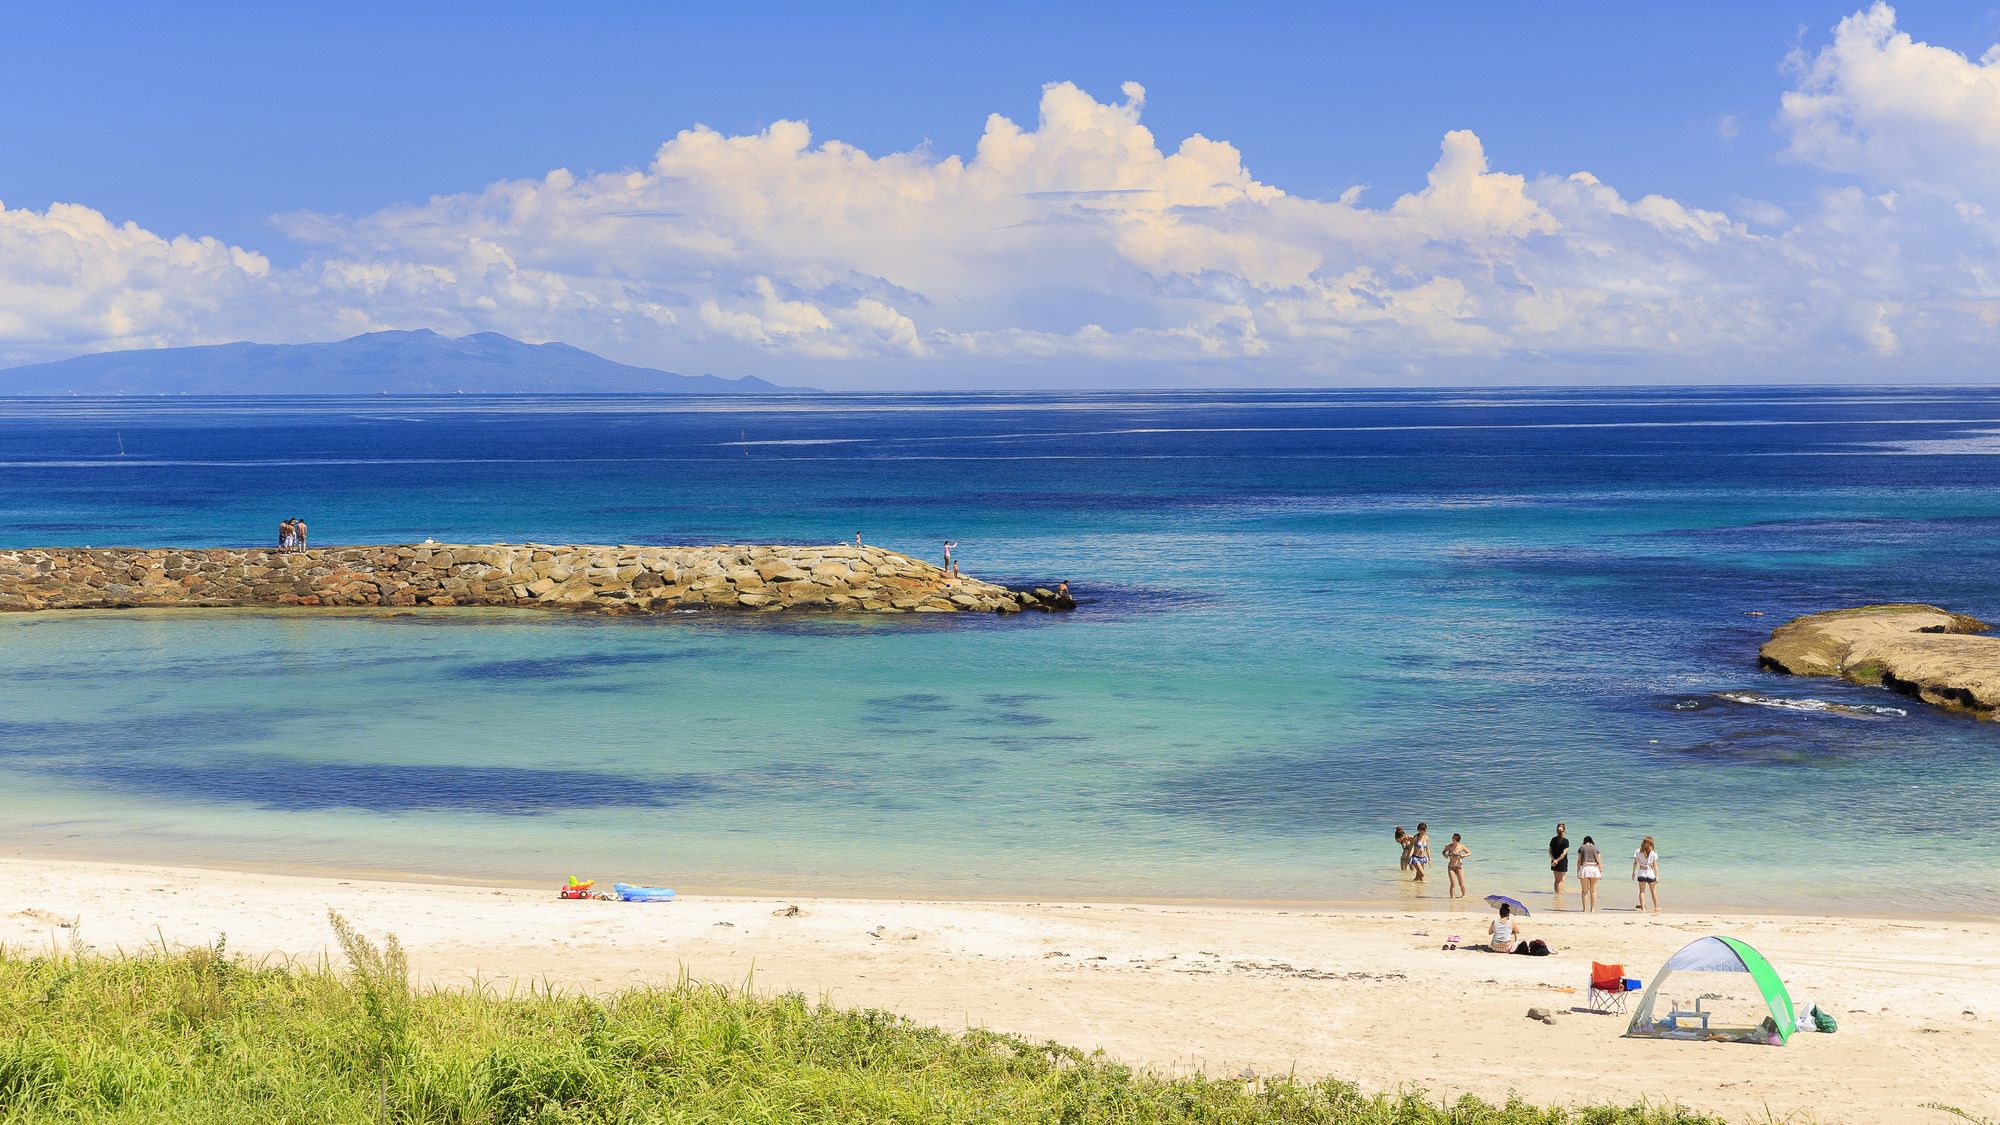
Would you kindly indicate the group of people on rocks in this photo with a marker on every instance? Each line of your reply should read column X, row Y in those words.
column 1588, row 856
column 292, row 535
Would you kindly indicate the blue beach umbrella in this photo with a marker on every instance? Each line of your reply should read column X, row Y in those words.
column 1503, row 900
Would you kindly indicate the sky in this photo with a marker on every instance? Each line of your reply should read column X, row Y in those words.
column 905, row 196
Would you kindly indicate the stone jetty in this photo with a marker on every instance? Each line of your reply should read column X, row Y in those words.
column 1919, row 650
column 604, row 579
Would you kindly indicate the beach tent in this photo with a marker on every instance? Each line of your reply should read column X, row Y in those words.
column 1716, row 979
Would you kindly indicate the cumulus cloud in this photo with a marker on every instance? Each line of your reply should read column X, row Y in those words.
column 1083, row 238
column 1080, row 245
column 1881, row 105
column 71, row 280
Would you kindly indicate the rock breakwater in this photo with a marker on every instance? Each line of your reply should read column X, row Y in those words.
column 1919, row 650
column 605, row 579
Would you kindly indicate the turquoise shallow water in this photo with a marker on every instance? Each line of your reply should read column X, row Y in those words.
column 1307, row 618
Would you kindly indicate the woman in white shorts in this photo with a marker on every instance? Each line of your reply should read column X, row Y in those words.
column 1590, row 868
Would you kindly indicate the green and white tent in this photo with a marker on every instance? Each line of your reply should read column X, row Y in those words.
column 1706, row 1003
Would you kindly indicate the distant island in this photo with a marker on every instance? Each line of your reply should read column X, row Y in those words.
column 417, row 362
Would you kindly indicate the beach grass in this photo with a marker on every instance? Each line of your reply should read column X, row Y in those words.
column 199, row 1035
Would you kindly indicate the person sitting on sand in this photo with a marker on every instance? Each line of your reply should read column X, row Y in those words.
column 1454, row 868
column 1420, row 851
column 1405, row 841
column 1504, row 934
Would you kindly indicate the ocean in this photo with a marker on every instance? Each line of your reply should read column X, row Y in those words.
column 1306, row 618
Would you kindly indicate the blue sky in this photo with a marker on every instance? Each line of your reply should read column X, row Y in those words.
column 307, row 144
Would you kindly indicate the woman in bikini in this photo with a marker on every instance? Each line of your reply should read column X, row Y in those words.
column 1420, row 852
column 1454, row 868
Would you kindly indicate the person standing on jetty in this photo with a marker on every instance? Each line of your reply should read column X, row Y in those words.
column 285, row 535
column 1420, row 851
column 1559, row 855
column 950, row 564
column 298, row 534
column 857, row 539
column 1454, row 868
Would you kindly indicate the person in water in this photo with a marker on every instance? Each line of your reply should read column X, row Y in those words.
column 1559, row 855
column 1454, row 868
column 1504, row 934
column 1590, row 868
column 1405, row 841
column 1646, row 871
column 1420, row 851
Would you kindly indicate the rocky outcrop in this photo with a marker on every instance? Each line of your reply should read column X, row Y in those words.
column 1919, row 650
column 602, row 579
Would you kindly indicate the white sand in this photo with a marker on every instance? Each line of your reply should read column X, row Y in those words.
column 1369, row 997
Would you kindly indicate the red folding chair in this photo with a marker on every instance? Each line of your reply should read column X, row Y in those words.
column 1608, row 987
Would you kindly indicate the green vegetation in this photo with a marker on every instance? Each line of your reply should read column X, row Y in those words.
column 1867, row 672
column 1959, row 1113
column 196, row 1035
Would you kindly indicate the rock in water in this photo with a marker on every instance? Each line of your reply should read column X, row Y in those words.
column 1919, row 650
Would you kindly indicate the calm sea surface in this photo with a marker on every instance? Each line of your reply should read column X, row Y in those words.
column 1308, row 617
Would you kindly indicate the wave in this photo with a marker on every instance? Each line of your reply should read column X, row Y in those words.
column 1816, row 706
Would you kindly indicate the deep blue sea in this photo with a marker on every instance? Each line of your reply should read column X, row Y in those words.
column 1307, row 617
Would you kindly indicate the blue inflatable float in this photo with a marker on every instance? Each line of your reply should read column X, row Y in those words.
column 626, row 892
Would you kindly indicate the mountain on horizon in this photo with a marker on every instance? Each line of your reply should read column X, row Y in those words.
column 412, row 362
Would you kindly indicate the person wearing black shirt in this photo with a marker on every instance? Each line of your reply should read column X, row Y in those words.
column 1559, row 855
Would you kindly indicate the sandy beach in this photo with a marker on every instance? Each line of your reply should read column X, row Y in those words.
column 1365, row 996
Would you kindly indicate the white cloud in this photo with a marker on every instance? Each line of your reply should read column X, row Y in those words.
column 1897, row 112
column 1081, row 238
column 1081, row 249
column 72, row 280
